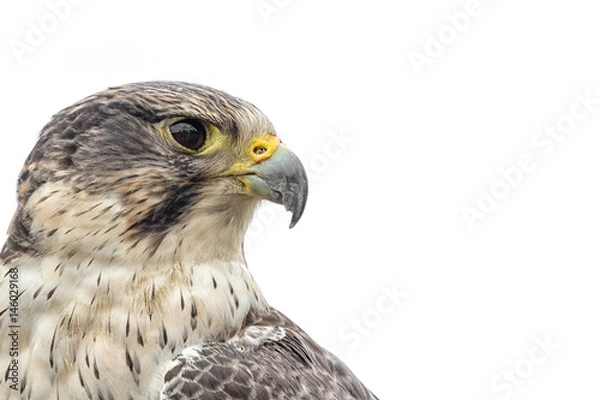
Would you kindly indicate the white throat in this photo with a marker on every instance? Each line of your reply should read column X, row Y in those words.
column 113, row 327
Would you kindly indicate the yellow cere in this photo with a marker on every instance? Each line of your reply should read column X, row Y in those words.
column 259, row 149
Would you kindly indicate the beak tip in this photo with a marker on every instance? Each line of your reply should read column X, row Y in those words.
column 295, row 200
column 296, row 217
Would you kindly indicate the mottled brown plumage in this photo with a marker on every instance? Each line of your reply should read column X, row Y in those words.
column 279, row 364
column 124, row 271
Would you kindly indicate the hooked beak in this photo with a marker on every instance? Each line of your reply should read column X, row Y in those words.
column 280, row 178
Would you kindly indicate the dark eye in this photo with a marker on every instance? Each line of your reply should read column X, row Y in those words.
column 190, row 133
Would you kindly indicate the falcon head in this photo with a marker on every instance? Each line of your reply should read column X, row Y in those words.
column 156, row 171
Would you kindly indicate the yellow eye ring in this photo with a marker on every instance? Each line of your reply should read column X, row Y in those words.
column 190, row 135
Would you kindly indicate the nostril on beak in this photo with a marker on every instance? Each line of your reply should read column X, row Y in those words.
column 260, row 150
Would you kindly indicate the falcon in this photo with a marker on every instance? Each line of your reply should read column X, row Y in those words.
column 124, row 274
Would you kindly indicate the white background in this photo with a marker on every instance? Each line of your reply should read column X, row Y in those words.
column 416, row 145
